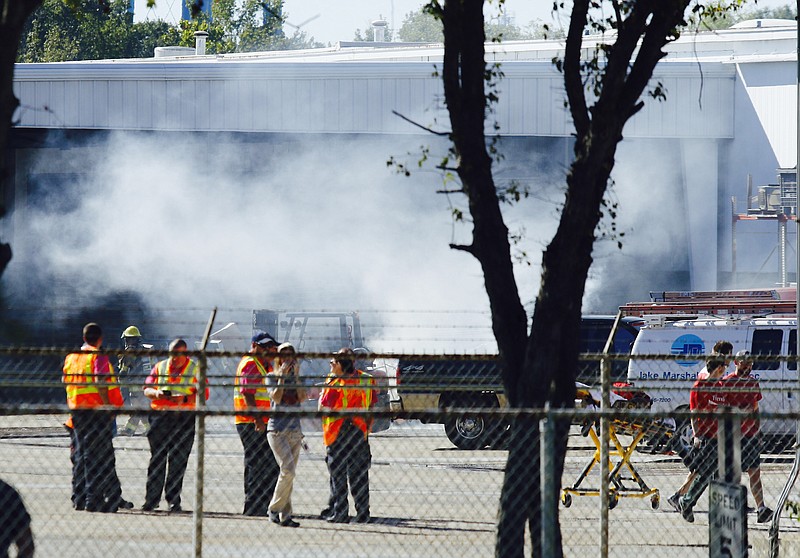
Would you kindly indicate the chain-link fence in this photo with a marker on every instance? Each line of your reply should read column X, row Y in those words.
column 426, row 482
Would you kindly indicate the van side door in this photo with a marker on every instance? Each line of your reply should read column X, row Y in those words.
column 770, row 374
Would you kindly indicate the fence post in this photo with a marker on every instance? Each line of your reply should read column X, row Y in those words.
column 547, row 440
column 729, row 449
column 605, row 425
column 200, row 428
column 605, row 470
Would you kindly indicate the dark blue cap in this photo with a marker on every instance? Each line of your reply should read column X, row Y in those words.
column 263, row 338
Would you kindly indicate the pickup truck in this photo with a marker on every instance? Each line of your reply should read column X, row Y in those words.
column 429, row 384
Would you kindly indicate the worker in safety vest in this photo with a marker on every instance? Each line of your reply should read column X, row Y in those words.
column 91, row 389
column 347, row 438
column 170, row 387
column 250, row 394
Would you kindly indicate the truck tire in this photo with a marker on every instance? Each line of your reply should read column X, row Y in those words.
column 683, row 434
column 468, row 431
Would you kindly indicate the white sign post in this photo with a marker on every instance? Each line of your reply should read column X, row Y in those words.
column 727, row 520
column 727, row 499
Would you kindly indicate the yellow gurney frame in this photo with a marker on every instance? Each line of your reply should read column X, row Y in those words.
column 617, row 486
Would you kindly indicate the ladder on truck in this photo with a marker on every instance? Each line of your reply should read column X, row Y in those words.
column 732, row 303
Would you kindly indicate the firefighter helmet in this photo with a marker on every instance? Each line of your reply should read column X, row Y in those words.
column 131, row 331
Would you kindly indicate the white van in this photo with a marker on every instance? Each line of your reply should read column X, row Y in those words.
column 668, row 382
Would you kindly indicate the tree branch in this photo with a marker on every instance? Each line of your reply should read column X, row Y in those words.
column 418, row 125
column 618, row 13
column 651, row 50
column 470, row 249
column 459, row 191
column 573, row 80
column 619, row 56
column 13, row 15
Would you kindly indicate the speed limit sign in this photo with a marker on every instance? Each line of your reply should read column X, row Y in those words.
column 727, row 520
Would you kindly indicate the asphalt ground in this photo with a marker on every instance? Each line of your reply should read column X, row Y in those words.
column 428, row 499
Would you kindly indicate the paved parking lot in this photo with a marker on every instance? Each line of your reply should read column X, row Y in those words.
column 428, row 499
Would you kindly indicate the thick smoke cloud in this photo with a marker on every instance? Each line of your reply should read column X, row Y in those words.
column 313, row 223
column 316, row 224
column 647, row 189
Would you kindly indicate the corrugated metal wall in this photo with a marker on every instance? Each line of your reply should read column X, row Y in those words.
column 338, row 98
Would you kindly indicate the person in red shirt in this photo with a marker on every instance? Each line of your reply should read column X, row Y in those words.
column 723, row 349
column 745, row 393
column 706, row 396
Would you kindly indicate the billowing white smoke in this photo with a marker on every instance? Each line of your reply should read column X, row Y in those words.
column 313, row 224
column 318, row 224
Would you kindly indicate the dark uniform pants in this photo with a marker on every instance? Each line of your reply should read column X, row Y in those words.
column 348, row 459
column 706, row 461
column 171, row 437
column 78, row 475
column 261, row 470
column 94, row 474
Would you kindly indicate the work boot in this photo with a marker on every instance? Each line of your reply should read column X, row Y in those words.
column 673, row 501
column 764, row 514
column 686, row 510
column 124, row 504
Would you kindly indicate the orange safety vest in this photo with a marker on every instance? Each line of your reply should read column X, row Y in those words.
column 184, row 384
column 355, row 393
column 261, row 394
column 115, row 392
column 82, row 383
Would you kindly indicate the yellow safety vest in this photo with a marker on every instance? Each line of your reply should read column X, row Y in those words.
column 261, row 394
column 355, row 393
column 82, row 383
column 184, row 383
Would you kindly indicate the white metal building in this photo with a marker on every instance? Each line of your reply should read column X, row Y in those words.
column 730, row 112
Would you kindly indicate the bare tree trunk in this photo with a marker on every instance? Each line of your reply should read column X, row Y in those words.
column 13, row 15
column 540, row 368
column 464, row 73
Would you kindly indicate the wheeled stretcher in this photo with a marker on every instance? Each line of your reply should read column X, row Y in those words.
column 620, row 485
